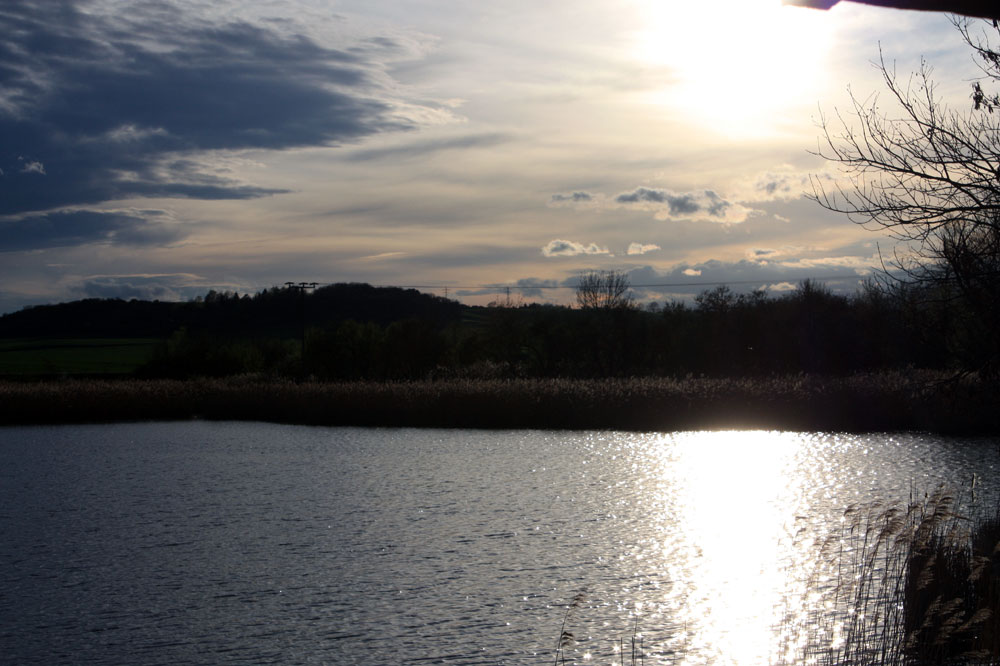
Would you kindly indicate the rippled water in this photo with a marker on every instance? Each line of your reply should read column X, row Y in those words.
column 253, row 543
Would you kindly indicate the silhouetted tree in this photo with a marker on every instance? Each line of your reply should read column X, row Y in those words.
column 930, row 177
column 604, row 290
column 718, row 300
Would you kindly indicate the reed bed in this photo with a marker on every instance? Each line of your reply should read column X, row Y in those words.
column 913, row 585
column 859, row 403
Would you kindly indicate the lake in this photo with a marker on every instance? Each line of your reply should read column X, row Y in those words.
column 218, row 542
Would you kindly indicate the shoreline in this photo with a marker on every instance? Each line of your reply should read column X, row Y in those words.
column 879, row 402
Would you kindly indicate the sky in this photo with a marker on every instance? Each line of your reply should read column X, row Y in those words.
column 157, row 150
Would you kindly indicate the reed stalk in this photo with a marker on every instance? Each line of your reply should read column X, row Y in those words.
column 862, row 403
column 914, row 585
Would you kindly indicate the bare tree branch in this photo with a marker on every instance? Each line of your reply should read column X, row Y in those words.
column 928, row 176
column 604, row 290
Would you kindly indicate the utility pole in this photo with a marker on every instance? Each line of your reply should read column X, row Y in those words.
column 302, row 287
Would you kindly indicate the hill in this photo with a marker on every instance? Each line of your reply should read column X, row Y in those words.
column 279, row 312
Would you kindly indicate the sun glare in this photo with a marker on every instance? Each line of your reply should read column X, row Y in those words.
column 735, row 506
column 742, row 66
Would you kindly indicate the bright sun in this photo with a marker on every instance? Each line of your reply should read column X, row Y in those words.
column 743, row 66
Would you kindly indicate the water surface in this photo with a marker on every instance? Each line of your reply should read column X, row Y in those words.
column 211, row 543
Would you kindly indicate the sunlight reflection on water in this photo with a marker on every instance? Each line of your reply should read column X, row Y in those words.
column 246, row 543
column 740, row 518
column 725, row 507
column 736, row 503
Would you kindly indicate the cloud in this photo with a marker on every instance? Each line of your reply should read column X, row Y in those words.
column 677, row 204
column 682, row 282
column 575, row 197
column 664, row 204
column 771, row 186
column 525, row 287
column 83, row 227
column 792, row 257
column 565, row 248
column 533, row 286
column 164, row 287
column 425, row 147
column 785, row 183
column 860, row 265
column 104, row 105
column 383, row 255
column 640, row 248
column 129, row 133
column 702, row 205
column 33, row 167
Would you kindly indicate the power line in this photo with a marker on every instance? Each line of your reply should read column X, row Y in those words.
column 302, row 286
column 823, row 278
column 695, row 283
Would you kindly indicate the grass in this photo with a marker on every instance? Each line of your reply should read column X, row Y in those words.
column 74, row 356
column 862, row 403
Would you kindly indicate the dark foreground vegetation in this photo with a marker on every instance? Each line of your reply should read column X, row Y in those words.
column 872, row 402
column 360, row 355
column 351, row 332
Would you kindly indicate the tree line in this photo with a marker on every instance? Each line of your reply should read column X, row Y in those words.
column 722, row 333
column 357, row 331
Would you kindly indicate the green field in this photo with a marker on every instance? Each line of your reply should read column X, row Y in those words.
column 74, row 356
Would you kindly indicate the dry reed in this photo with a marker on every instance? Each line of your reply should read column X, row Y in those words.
column 912, row 585
column 875, row 402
